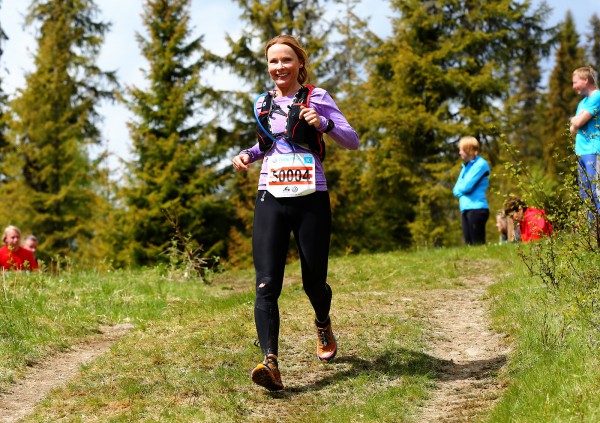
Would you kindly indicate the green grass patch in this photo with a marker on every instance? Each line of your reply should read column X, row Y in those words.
column 190, row 354
column 554, row 371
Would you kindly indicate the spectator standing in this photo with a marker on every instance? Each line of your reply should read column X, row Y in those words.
column 470, row 189
column 585, row 127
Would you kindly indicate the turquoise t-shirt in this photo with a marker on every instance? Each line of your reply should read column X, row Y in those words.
column 587, row 140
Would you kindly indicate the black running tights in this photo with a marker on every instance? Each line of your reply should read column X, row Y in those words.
column 309, row 219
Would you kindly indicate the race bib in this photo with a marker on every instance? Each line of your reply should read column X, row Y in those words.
column 291, row 175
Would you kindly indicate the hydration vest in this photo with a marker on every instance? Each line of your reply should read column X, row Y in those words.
column 298, row 131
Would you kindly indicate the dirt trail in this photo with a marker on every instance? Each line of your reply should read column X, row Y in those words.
column 470, row 351
column 37, row 383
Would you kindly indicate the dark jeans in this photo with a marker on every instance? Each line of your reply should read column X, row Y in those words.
column 473, row 225
column 309, row 219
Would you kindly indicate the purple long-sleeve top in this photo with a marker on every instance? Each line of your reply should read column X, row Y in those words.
column 324, row 105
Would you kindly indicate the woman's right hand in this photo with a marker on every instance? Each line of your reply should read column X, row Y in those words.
column 241, row 161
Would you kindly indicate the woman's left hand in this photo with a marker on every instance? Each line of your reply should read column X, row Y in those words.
column 310, row 116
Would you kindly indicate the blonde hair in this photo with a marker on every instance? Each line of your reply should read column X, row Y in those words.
column 587, row 72
column 469, row 144
column 292, row 43
column 10, row 228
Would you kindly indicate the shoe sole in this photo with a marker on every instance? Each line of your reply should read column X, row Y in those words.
column 327, row 359
column 263, row 377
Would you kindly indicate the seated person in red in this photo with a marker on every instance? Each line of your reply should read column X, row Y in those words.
column 532, row 222
column 12, row 255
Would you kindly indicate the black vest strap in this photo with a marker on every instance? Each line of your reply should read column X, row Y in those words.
column 298, row 131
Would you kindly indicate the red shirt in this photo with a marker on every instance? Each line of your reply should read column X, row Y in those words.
column 534, row 225
column 19, row 259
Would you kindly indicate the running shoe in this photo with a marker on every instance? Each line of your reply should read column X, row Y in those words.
column 267, row 375
column 326, row 343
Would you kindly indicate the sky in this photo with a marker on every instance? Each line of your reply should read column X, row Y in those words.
column 210, row 19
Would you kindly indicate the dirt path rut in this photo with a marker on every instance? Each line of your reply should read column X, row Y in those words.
column 470, row 351
column 37, row 383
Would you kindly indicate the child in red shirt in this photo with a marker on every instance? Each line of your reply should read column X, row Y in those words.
column 12, row 255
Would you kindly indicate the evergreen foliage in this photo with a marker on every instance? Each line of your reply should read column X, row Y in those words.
column 52, row 178
column 349, row 51
column 3, row 100
column 345, row 80
column 440, row 76
column 593, row 39
column 175, row 169
column 523, row 113
column 561, row 100
column 451, row 68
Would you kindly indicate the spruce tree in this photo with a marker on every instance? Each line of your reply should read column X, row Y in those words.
column 561, row 100
column 594, row 42
column 176, row 154
column 522, row 105
column 345, row 80
column 55, row 125
column 3, row 100
column 439, row 77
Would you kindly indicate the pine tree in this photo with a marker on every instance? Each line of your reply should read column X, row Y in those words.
column 522, row 107
column 3, row 100
column 345, row 80
column 350, row 51
column 176, row 154
column 594, row 42
column 561, row 100
column 56, row 123
column 439, row 77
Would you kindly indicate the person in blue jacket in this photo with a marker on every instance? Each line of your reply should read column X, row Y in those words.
column 470, row 190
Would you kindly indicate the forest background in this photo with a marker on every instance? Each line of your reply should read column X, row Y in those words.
column 448, row 69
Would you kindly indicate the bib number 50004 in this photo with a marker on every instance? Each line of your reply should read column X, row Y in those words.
column 291, row 175
column 297, row 174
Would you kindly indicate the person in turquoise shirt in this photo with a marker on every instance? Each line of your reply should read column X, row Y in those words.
column 585, row 127
column 470, row 189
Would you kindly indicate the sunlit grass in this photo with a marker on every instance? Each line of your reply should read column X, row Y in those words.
column 555, row 368
column 192, row 348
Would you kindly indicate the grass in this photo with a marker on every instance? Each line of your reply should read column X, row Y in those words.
column 192, row 349
column 554, row 373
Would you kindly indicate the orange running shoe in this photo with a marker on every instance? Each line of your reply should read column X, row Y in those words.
column 267, row 375
column 326, row 343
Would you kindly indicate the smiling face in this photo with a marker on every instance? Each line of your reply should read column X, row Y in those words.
column 580, row 85
column 12, row 238
column 284, row 66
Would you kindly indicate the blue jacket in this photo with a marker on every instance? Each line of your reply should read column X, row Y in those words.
column 472, row 184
